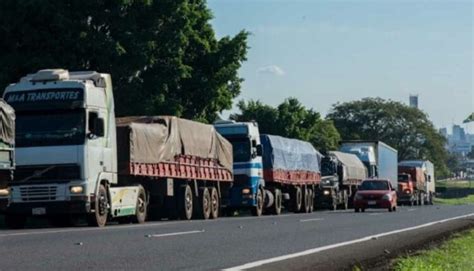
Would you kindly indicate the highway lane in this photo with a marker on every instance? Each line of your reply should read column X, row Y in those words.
column 202, row 245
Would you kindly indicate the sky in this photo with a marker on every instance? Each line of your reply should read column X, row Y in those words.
column 324, row 52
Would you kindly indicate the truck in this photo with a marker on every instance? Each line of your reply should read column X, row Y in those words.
column 7, row 151
column 341, row 173
column 270, row 172
column 380, row 159
column 416, row 182
column 76, row 160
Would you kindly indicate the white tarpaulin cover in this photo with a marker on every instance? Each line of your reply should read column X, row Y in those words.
column 354, row 168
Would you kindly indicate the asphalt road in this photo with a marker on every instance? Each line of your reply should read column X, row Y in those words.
column 207, row 245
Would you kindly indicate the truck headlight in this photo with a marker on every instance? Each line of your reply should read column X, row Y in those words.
column 4, row 192
column 77, row 189
column 326, row 192
column 246, row 191
column 387, row 197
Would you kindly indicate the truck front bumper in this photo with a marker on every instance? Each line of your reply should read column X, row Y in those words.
column 50, row 208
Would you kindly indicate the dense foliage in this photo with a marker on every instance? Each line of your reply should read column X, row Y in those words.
column 163, row 55
column 405, row 128
column 290, row 119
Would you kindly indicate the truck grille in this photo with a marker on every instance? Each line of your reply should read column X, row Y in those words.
column 38, row 193
column 65, row 172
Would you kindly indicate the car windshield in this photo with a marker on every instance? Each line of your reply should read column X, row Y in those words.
column 241, row 149
column 374, row 185
column 50, row 128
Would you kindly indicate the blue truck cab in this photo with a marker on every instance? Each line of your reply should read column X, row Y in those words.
column 248, row 169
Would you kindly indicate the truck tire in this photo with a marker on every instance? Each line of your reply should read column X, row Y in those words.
column 185, row 203
column 311, row 200
column 306, row 200
column 296, row 200
column 276, row 208
column 215, row 206
column 15, row 221
column 257, row 210
column 430, row 200
column 203, row 206
column 141, row 208
column 101, row 209
column 346, row 200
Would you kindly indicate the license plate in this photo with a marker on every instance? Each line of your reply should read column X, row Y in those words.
column 372, row 202
column 38, row 211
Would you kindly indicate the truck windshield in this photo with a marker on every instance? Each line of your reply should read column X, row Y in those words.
column 403, row 178
column 327, row 167
column 241, row 149
column 374, row 185
column 50, row 128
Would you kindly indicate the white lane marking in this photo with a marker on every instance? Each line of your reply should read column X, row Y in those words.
column 157, row 224
column 375, row 214
column 175, row 233
column 411, row 210
column 148, row 224
column 311, row 219
column 323, row 248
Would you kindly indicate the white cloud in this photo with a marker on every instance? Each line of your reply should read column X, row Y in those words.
column 271, row 69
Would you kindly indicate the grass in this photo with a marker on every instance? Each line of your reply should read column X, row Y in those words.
column 455, row 254
column 455, row 183
column 455, row 201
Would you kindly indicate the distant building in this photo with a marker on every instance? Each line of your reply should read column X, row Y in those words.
column 458, row 133
column 444, row 132
column 414, row 101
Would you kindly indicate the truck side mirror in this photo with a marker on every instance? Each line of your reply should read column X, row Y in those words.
column 259, row 150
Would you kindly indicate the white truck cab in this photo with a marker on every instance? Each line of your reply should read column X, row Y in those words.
column 65, row 147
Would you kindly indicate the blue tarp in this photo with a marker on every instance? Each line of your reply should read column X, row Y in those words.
column 289, row 154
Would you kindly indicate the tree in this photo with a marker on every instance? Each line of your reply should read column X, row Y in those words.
column 163, row 55
column 405, row 128
column 290, row 119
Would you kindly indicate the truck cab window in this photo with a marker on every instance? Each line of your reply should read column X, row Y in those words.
column 96, row 125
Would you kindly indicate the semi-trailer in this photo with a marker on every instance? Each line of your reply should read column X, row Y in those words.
column 416, row 182
column 74, row 160
column 270, row 172
column 341, row 173
column 291, row 170
column 380, row 159
column 7, row 151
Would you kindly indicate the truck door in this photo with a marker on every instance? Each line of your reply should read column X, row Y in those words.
column 95, row 145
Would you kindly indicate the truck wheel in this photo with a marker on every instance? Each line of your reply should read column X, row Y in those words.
column 214, row 203
column 101, row 210
column 430, row 201
column 203, row 208
column 306, row 198
column 257, row 210
column 311, row 200
column 141, row 208
column 346, row 201
column 276, row 210
column 297, row 199
column 185, row 203
column 334, row 204
column 15, row 221
column 357, row 210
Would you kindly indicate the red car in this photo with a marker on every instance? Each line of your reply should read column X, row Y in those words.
column 375, row 193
